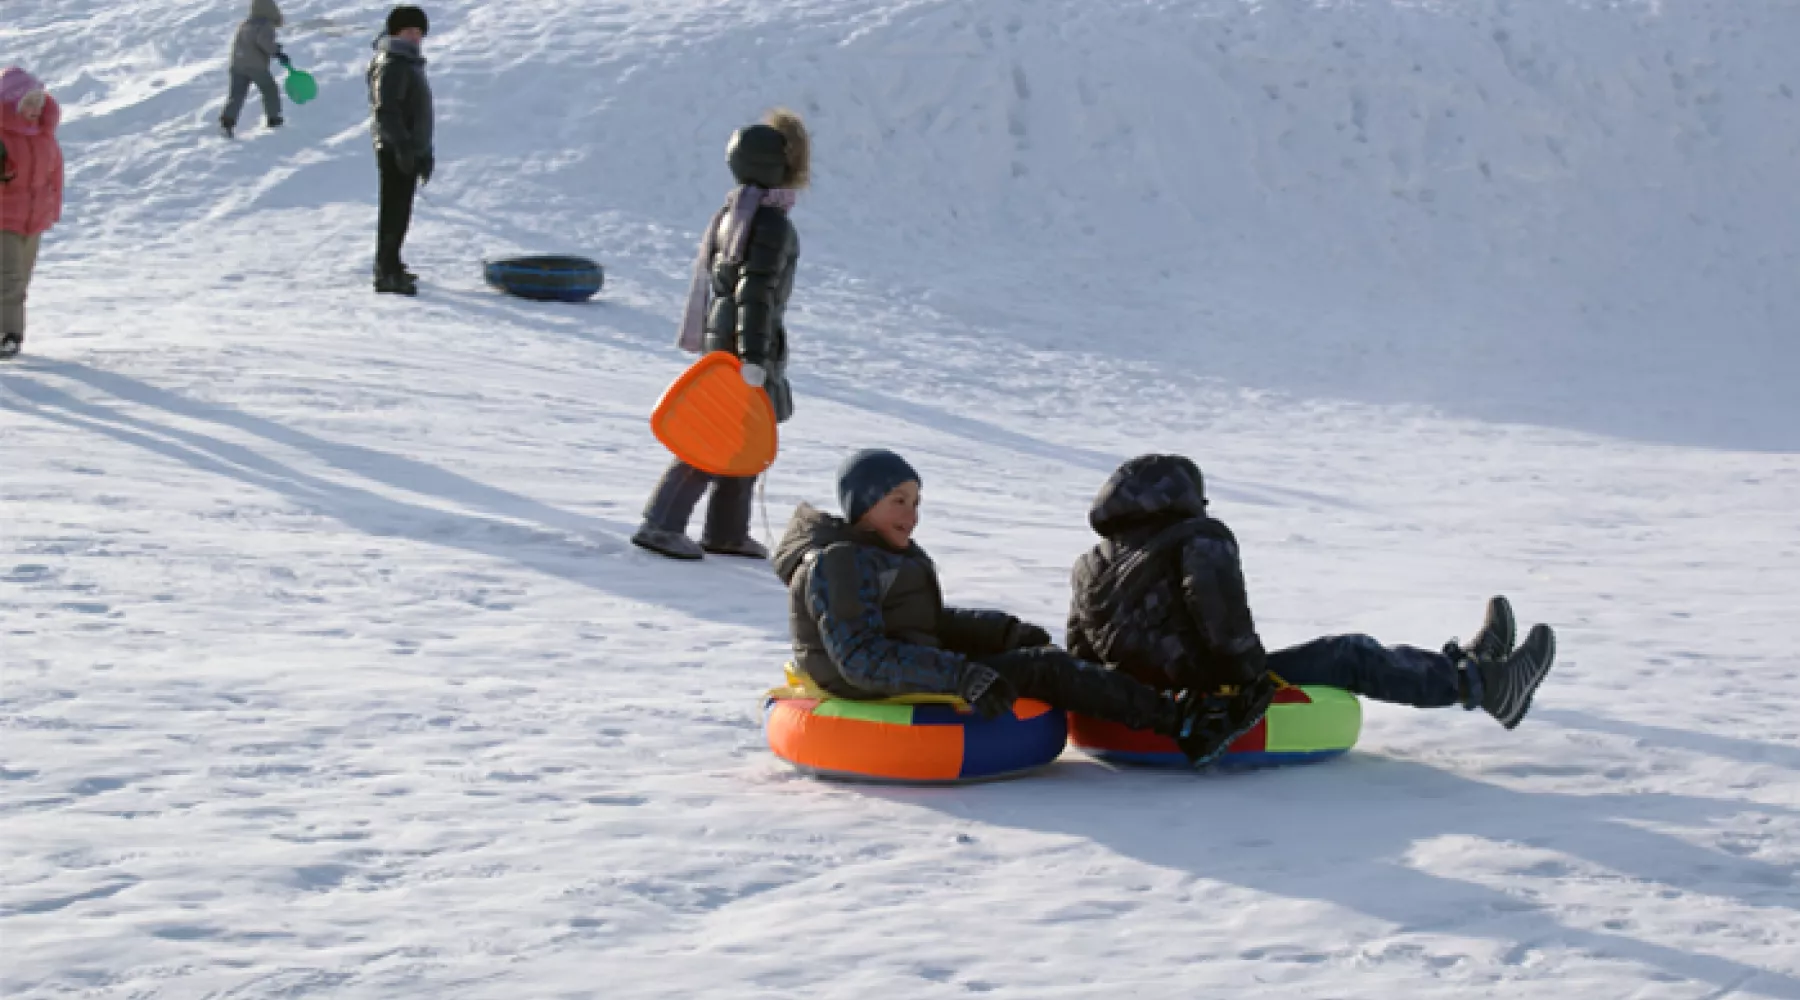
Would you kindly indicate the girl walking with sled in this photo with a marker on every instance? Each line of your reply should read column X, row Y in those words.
column 737, row 302
column 31, row 192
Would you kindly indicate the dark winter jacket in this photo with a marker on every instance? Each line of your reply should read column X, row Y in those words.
column 750, row 301
column 400, row 99
column 869, row 622
column 254, row 44
column 1162, row 598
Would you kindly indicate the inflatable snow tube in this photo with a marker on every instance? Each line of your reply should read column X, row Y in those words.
column 930, row 744
column 1304, row 724
column 546, row 279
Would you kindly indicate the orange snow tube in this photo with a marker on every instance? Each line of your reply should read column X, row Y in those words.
column 714, row 422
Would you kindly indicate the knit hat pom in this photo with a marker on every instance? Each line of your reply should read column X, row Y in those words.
column 869, row 475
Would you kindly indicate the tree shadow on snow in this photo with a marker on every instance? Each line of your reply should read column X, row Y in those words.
column 577, row 548
column 1729, row 747
column 1342, row 833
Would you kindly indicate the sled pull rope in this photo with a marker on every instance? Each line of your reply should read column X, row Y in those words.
column 762, row 500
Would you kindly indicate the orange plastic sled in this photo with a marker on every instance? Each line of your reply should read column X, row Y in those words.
column 714, row 422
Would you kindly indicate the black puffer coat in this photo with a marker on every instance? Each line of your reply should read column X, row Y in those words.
column 402, row 118
column 1162, row 598
column 869, row 622
column 750, row 297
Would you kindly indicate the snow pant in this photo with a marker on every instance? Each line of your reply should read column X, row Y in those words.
column 18, row 256
column 1400, row 674
column 397, row 190
column 1059, row 679
column 727, row 516
column 240, row 88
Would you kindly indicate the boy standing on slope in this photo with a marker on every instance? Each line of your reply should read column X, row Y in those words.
column 400, row 106
column 869, row 621
column 251, row 51
column 1162, row 599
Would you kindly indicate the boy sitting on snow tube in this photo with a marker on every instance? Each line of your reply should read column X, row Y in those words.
column 1162, row 599
column 869, row 621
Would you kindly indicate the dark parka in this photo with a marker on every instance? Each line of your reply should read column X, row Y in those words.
column 400, row 99
column 750, row 297
column 869, row 622
column 1162, row 598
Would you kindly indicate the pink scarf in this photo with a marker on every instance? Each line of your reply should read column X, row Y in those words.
column 730, row 227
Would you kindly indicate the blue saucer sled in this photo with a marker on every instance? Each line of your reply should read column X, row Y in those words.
column 545, row 278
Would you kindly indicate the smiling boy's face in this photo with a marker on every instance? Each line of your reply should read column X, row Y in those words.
column 895, row 516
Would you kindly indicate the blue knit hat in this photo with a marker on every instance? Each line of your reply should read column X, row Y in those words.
column 867, row 476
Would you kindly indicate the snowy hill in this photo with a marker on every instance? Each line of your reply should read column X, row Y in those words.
column 326, row 670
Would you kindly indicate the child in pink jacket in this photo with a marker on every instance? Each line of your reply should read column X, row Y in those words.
column 31, row 188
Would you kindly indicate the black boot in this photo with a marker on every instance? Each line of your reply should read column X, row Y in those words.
column 229, row 128
column 395, row 284
column 1493, row 642
column 1210, row 723
column 1507, row 685
column 11, row 344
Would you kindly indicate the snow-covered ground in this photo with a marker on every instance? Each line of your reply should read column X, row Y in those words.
column 326, row 668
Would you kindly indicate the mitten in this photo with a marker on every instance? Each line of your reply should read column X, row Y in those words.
column 986, row 691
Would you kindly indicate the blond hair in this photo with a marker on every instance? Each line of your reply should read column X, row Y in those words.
column 799, row 145
column 33, row 102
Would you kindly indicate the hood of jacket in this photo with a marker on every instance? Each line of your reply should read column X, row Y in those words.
column 1149, row 489
column 266, row 10
column 810, row 530
column 17, row 124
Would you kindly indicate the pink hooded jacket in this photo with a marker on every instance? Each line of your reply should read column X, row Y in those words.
column 32, row 201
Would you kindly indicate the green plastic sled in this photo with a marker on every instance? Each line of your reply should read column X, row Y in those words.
column 300, row 86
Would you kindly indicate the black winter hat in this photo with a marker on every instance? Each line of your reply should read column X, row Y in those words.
column 407, row 16
column 757, row 154
column 867, row 476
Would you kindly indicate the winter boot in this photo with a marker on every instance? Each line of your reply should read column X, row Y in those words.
column 229, row 128
column 277, row 122
column 395, row 284
column 749, row 548
column 1493, row 642
column 1210, row 723
column 404, row 270
column 663, row 542
column 1507, row 685
column 11, row 345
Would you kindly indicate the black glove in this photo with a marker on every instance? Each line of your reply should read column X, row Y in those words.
column 427, row 164
column 5, row 174
column 282, row 58
column 986, row 691
column 1024, row 635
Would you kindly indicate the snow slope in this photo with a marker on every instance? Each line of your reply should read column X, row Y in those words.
column 326, row 670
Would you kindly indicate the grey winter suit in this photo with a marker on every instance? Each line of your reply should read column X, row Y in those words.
column 251, row 51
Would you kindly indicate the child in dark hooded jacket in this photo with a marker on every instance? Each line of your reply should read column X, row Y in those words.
column 1162, row 599
column 251, row 49
column 869, row 620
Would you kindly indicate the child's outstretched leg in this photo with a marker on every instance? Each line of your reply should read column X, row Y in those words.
column 1054, row 676
column 1404, row 675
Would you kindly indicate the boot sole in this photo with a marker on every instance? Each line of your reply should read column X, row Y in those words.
column 665, row 553
column 1534, row 681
